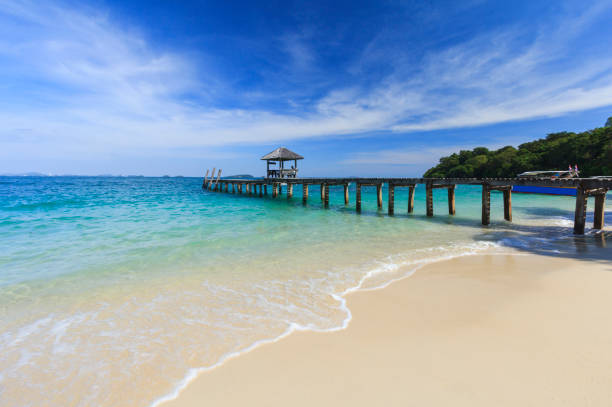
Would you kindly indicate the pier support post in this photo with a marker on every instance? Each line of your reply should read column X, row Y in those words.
column 391, row 202
column 216, row 187
column 346, row 194
column 274, row 190
column 486, row 204
column 322, row 192
column 508, row 204
column 411, row 198
column 227, row 187
column 600, row 201
column 205, row 179
column 289, row 191
column 265, row 189
column 429, row 198
column 379, row 195
column 581, row 209
column 233, row 188
column 212, row 178
column 358, row 197
column 280, row 188
column 261, row 190
column 326, row 195
column 304, row 193
column 451, row 200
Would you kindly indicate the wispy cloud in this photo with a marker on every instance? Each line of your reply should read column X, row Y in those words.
column 78, row 80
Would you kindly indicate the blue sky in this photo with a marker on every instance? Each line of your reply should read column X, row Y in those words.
column 359, row 88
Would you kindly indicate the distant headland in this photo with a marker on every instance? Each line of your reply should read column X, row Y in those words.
column 591, row 150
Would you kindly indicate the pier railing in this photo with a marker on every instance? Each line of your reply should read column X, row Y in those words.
column 585, row 187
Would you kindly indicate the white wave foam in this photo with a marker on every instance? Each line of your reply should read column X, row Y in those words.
column 384, row 267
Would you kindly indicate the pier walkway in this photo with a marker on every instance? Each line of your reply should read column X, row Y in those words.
column 585, row 187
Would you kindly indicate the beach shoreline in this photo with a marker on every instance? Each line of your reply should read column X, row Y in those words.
column 457, row 331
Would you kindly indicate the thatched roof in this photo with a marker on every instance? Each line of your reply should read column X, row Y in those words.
column 282, row 154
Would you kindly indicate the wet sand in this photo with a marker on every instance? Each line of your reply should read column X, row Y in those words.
column 501, row 330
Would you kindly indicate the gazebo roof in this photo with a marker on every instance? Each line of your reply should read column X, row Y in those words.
column 282, row 154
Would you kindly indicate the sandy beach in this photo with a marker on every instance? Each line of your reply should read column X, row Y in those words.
column 492, row 330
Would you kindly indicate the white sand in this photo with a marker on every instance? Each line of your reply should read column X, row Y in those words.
column 475, row 331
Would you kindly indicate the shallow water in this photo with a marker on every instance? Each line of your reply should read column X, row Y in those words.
column 112, row 290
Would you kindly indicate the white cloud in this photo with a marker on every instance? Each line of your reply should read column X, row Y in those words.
column 105, row 87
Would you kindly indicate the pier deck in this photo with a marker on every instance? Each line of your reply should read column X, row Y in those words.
column 585, row 187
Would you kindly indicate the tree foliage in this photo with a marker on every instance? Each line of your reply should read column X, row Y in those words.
column 590, row 150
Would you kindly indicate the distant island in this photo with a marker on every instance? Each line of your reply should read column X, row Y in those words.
column 239, row 176
column 591, row 150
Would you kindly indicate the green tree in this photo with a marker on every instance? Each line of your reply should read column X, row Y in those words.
column 590, row 150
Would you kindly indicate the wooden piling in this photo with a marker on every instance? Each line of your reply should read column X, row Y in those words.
column 346, row 194
column 261, row 190
column 289, row 191
column 205, row 179
column 322, row 192
column 429, row 198
column 304, row 193
column 598, row 220
column 326, row 195
column 212, row 178
column 265, row 189
column 274, row 190
column 217, row 181
column 379, row 199
column 358, row 197
column 581, row 209
column 451, row 200
column 391, row 201
column 486, row 204
column 411, row 199
column 280, row 188
column 233, row 188
column 508, row 204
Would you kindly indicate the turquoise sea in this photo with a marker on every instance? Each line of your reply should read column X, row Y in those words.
column 115, row 291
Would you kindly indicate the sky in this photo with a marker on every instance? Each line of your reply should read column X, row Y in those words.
column 359, row 88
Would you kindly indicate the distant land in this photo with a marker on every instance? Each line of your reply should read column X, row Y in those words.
column 239, row 176
column 591, row 150
column 39, row 174
column 26, row 174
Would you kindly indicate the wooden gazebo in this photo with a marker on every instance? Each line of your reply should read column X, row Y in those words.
column 281, row 155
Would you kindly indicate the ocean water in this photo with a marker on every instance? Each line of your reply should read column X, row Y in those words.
column 115, row 291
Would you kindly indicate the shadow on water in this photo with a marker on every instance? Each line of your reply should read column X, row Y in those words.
column 547, row 212
column 546, row 240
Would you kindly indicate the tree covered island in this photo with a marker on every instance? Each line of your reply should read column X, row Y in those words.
column 591, row 150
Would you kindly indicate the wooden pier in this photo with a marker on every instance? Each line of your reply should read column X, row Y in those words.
column 585, row 187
